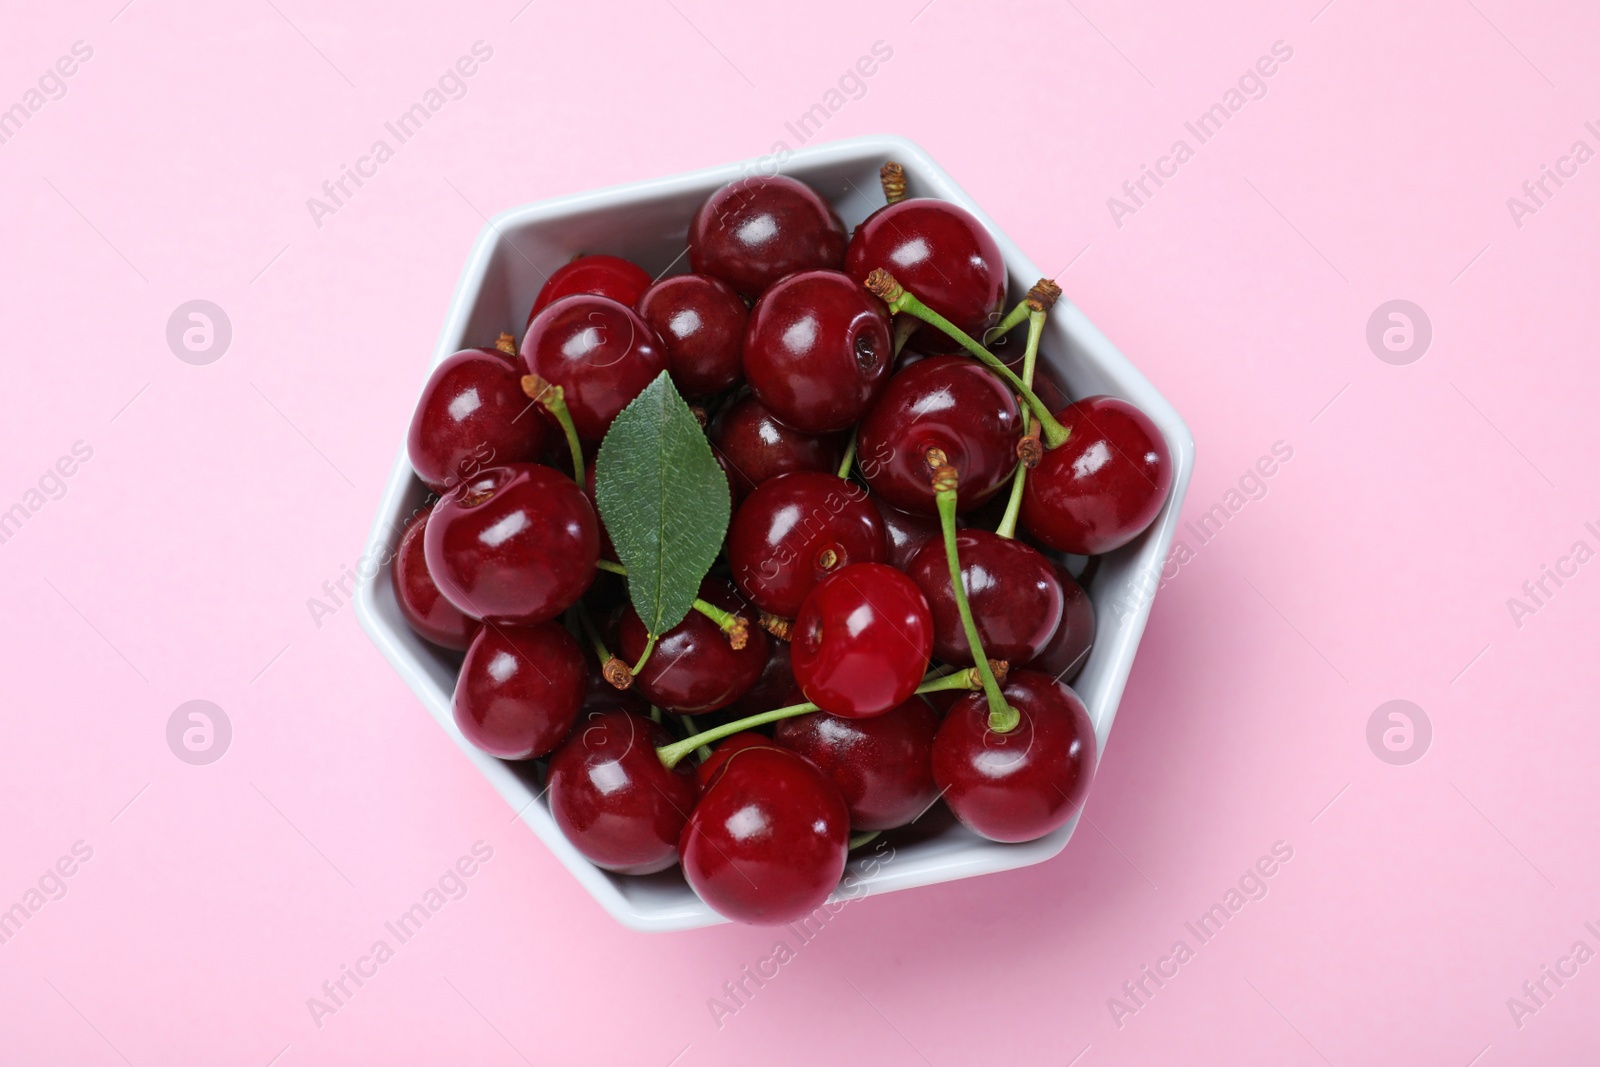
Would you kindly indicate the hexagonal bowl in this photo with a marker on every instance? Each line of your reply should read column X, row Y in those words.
column 647, row 222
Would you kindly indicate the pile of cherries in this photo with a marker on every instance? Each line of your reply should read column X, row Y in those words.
column 877, row 447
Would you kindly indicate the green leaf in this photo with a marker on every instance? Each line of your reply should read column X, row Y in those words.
column 664, row 501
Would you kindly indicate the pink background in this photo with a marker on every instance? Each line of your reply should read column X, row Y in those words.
column 1378, row 566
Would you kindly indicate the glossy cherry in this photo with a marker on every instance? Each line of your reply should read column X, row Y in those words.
column 907, row 532
column 951, row 403
column 768, row 841
column 600, row 352
column 701, row 322
column 756, row 446
column 1105, row 485
column 1064, row 655
column 1019, row 785
column 607, row 276
column 753, row 231
column 423, row 606
column 515, row 545
column 861, row 641
column 601, row 695
column 818, row 351
column 797, row 529
column 472, row 414
column 941, row 253
column 882, row 766
column 520, row 689
column 613, row 797
column 1012, row 589
column 725, row 750
column 694, row 669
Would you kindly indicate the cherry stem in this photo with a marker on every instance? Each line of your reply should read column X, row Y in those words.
column 849, row 456
column 892, row 176
column 612, row 669
column 1008, row 521
column 733, row 627
column 1002, row 716
column 671, row 754
column 689, row 730
column 1013, row 319
column 900, row 300
column 904, row 327
column 554, row 400
column 644, row 657
column 863, row 839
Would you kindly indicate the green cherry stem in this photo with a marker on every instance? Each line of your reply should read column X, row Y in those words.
column 644, row 657
column 1030, row 357
column 734, row 627
column 1003, row 718
column 864, row 839
column 612, row 669
column 1013, row 319
column 554, row 400
column 671, row 754
column 900, row 300
column 849, row 460
column 689, row 730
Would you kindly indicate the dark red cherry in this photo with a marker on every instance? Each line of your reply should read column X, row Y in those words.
column 613, row 797
column 756, row 446
column 940, row 253
column 693, row 668
column 601, row 695
column 725, row 751
column 600, row 352
column 768, row 840
column 776, row 688
column 606, row 276
column 951, row 403
column 423, row 606
column 1067, row 650
column 472, row 414
column 817, row 351
column 1015, row 597
column 882, row 766
column 700, row 321
column 1105, row 485
column 1019, row 785
column 516, row 545
column 795, row 530
column 520, row 689
column 861, row 642
column 907, row 532
column 753, row 231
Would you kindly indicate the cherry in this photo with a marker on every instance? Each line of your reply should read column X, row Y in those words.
column 907, row 533
column 1105, row 485
column 776, row 688
column 1021, row 784
column 818, row 350
column 755, row 446
column 1064, row 655
column 861, row 641
column 606, row 276
column 600, row 352
column 954, row 405
column 754, row 231
column 795, row 530
column 768, row 841
column 520, row 689
column 423, row 606
column 614, row 799
column 601, row 695
column 882, row 766
column 1013, row 591
column 940, row 252
column 515, row 545
column 700, row 321
column 725, row 750
column 693, row 668
column 472, row 414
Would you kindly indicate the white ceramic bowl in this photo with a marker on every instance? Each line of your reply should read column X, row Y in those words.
column 647, row 223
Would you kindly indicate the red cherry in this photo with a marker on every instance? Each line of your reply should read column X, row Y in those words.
column 755, row 446
column 1068, row 649
column 693, row 668
column 795, row 530
column 1105, row 485
column 613, row 797
column 907, row 533
column 942, row 254
column 600, row 352
column 472, row 414
column 601, row 695
column 519, row 689
column 861, row 641
column 606, row 276
column 1015, row 597
column 725, row 751
column 817, row 351
column 754, row 231
column 882, row 766
column 701, row 322
column 516, row 545
column 1019, row 785
column 776, row 688
column 767, row 843
column 950, row 403
column 423, row 606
